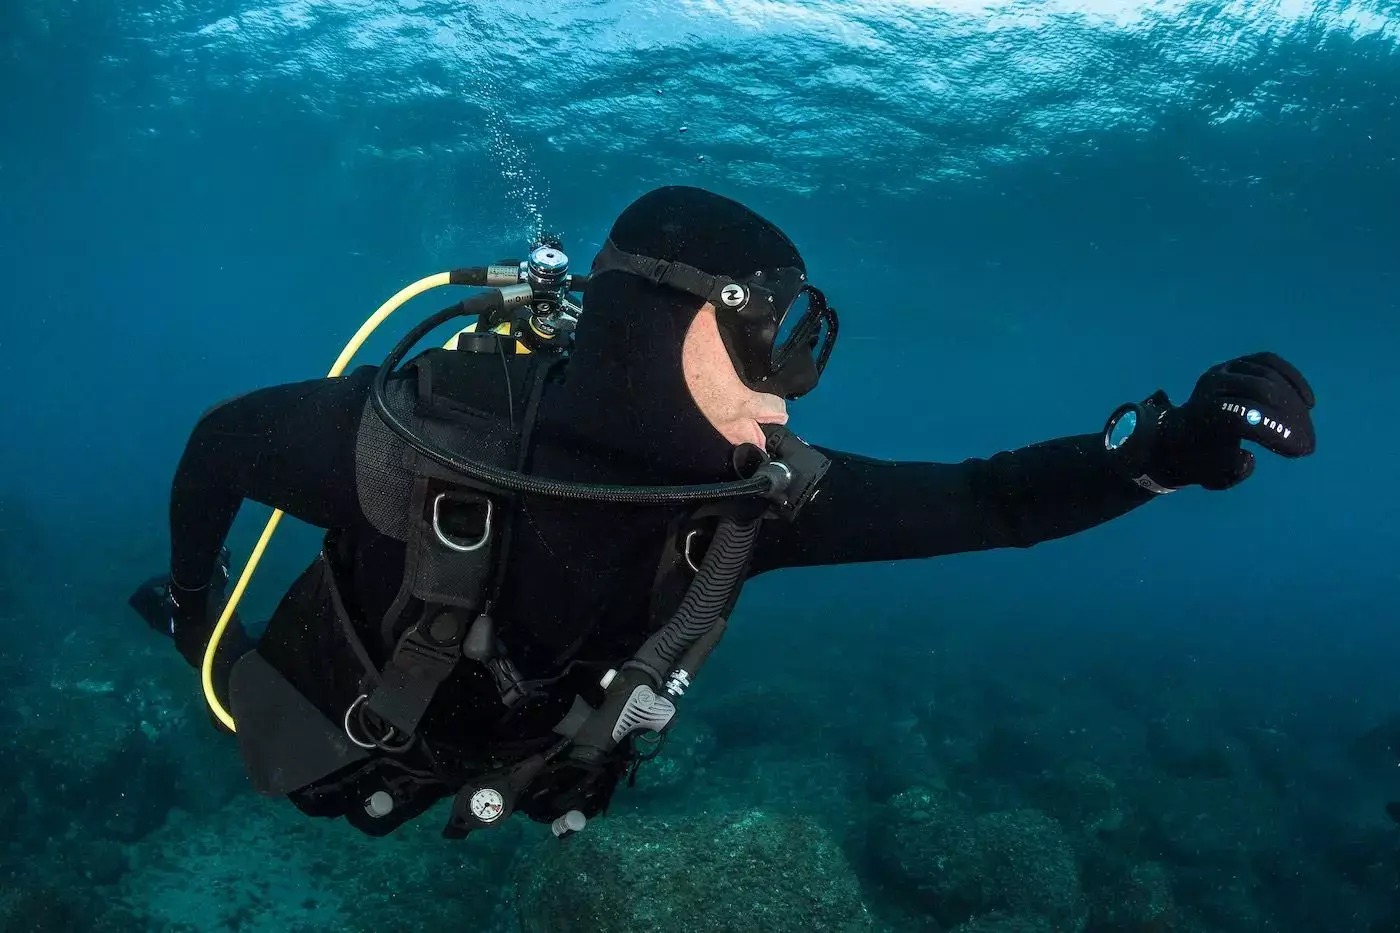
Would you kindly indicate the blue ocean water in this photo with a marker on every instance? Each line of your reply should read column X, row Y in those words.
column 1027, row 213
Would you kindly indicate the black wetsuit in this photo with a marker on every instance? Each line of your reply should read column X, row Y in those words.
column 580, row 575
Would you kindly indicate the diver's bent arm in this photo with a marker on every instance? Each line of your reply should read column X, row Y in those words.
column 291, row 447
column 873, row 510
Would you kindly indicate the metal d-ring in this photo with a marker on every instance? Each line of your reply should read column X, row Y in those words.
column 448, row 542
column 688, row 559
column 350, row 711
column 356, row 711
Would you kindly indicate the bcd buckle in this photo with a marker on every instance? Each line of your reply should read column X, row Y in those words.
column 423, row 659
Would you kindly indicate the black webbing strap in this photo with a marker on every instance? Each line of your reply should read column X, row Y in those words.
column 347, row 627
column 675, row 275
column 542, row 373
column 422, row 660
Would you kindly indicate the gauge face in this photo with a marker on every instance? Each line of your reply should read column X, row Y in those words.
column 487, row 805
column 1121, row 429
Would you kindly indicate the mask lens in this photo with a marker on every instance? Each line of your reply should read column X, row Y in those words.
column 793, row 319
column 826, row 337
column 808, row 329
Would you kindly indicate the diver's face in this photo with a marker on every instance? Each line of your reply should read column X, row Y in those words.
column 735, row 410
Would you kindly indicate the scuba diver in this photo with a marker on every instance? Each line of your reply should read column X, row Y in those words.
column 535, row 535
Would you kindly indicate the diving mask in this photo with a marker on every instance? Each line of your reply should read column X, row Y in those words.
column 779, row 331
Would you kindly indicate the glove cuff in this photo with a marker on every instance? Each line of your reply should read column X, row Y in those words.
column 218, row 578
column 196, row 611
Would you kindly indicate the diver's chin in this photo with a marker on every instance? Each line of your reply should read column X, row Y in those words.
column 761, row 439
column 752, row 434
column 740, row 431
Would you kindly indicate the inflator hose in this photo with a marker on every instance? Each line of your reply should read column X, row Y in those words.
column 705, row 601
column 697, row 622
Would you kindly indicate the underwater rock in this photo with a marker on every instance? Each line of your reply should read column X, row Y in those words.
column 929, row 846
column 104, row 739
column 961, row 867
column 120, row 797
column 1228, row 901
column 259, row 869
column 99, row 861
column 1082, row 799
column 131, row 793
column 1218, row 822
column 712, row 872
column 893, row 756
column 34, row 908
column 1004, row 923
column 1303, row 894
column 822, row 786
column 26, row 908
column 100, row 729
column 261, row 866
column 1030, row 868
column 1366, row 855
column 1021, row 748
column 1137, row 899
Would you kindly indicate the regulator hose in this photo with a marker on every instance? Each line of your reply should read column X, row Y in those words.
column 769, row 478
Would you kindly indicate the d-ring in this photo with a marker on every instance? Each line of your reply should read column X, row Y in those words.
column 688, row 559
column 448, row 542
column 350, row 711
column 356, row 711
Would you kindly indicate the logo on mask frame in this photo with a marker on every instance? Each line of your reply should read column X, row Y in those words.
column 733, row 296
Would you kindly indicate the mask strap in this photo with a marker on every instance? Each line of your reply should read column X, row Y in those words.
column 675, row 275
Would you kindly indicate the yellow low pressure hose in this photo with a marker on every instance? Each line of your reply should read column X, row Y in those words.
column 351, row 348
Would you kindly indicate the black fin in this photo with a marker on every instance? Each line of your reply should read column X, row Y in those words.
column 150, row 604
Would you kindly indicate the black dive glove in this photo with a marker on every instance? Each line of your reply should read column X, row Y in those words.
column 1260, row 398
column 187, row 616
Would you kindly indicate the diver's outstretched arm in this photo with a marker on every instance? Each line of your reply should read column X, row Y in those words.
column 873, row 510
